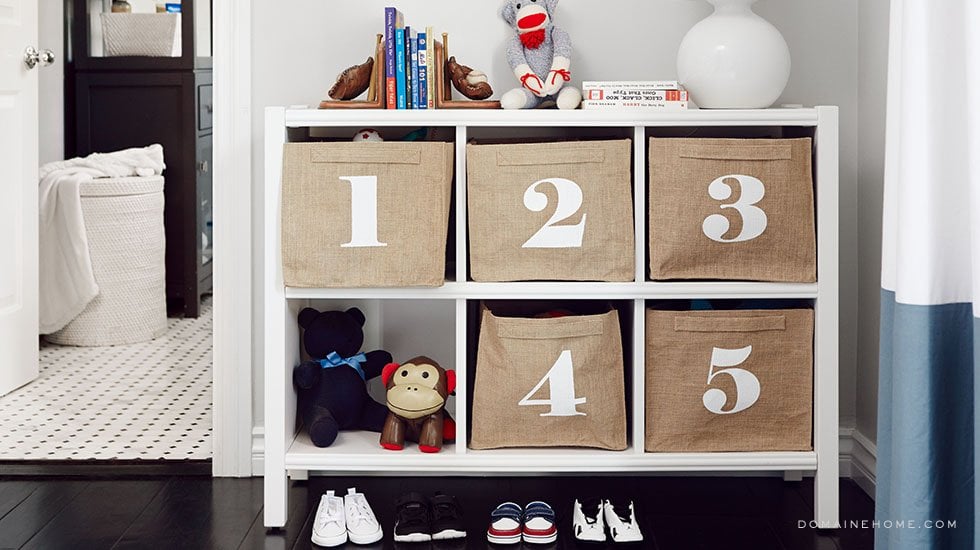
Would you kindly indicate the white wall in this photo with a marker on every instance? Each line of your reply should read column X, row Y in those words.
column 873, row 17
column 299, row 47
column 52, row 81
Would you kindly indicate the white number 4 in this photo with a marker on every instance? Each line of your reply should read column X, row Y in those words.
column 561, row 379
column 746, row 384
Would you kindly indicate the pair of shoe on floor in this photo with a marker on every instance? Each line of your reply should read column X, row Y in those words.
column 591, row 516
column 535, row 524
column 418, row 519
column 339, row 519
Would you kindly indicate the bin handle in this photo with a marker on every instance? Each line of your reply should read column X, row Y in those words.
column 549, row 329
column 568, row 155
column 761, row 151
column 694, row 323
column 368, row 155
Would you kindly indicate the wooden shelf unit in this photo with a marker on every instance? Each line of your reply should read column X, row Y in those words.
column 289, row 449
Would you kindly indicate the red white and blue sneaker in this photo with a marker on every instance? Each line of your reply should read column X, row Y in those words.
column 539, row 523
column 506, row 522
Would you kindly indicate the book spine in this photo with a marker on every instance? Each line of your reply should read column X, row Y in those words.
column 400, row 73
column 620, row 94
column 430, row 63
column 416, row 77
column 391, row 83
column 409, row 82
column 654, row 84
column 669, row 106
column 423, row 71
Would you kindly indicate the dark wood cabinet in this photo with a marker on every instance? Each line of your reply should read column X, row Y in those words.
column 120, row 102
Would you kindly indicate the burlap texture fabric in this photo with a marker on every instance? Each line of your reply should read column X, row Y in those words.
column 507, row 211
column 685, row 348
column 705, row 210
column 574, row 365
column 414, row 186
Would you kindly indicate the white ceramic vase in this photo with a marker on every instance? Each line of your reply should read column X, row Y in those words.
column 734, row 59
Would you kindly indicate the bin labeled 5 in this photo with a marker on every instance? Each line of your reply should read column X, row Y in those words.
column 365, row 214
column 729, row 380
column 734, row 209
column 551, row 211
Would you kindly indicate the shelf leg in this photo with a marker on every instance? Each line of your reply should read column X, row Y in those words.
column 276, row 498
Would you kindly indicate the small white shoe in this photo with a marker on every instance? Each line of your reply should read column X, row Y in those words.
column 362, row 525
column 330, row 525
column 622, row 522
column 587, row 520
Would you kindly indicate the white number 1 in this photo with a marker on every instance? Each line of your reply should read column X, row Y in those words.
column 561, row 381
column 747, row 386
column 363, row 212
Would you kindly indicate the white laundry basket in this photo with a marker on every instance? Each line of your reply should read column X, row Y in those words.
column 124, row 225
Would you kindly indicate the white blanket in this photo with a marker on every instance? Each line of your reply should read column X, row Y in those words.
column 67, row 281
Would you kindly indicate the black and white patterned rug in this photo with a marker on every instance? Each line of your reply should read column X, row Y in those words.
column 146, row 401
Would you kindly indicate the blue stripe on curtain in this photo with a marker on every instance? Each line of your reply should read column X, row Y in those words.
column 926, row 432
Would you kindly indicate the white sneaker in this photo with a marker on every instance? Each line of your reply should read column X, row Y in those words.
column 622, row 522
column 330, row 525
column 587, row 521
column 362, row 525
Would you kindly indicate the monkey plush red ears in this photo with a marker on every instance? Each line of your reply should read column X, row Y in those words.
column 390, row 369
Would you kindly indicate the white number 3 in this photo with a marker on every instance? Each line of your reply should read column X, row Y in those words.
column 754, row 219
column 561, row 380
column 747, row 385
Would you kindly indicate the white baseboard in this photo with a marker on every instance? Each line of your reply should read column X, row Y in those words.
column 857, row 456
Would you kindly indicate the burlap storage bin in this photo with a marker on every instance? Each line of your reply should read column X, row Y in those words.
column 402, row 202
column 549, row 382
column 736, row 209
column 729, row 380
column 126, row 242
column 551, row 211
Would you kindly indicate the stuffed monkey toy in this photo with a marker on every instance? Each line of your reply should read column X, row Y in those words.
column 540, row 55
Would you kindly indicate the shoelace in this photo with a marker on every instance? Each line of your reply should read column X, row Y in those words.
column 332, row 514
column 413, row 512
column 442, row 510
column 359, row 511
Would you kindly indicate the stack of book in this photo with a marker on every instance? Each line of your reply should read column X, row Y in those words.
column 660, row 95
column 409, row 64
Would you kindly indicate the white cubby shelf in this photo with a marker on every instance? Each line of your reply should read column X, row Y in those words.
column 399, row 316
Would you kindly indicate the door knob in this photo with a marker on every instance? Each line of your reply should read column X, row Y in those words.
column 32, row 57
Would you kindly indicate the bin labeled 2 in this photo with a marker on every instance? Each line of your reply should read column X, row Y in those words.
column 549, row 382
column 365, row 214
column 732, row 209
column 551, row 211
column 729, row 380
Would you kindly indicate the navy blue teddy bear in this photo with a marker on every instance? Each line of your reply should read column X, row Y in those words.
column 332, row 387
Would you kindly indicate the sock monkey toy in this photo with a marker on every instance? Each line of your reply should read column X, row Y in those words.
column 540, row 55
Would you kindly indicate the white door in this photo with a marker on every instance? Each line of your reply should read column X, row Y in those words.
column 18, row 196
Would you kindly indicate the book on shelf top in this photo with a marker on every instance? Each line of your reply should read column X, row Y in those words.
column 648, row 84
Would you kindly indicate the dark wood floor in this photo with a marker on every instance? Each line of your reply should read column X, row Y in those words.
column 199, row 512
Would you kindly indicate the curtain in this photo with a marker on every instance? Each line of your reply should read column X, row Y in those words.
column 927, row 436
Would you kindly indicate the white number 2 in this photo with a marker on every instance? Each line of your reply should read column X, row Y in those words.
column 746, row 384
column 754, row 219
column 569, row 203
column 561, row 381
column 363, row 212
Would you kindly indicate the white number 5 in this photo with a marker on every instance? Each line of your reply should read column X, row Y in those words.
column 746, row 384
column 754, row 219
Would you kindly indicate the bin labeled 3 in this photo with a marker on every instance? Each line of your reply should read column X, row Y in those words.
column 732, row 209
column 551, row 211
column 365, row 214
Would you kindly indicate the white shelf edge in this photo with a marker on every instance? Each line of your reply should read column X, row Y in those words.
column 303, row 118
column 568, row 291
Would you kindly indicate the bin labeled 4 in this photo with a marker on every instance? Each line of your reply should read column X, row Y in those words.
column 758, row 392
column 551, row 211
column 365, row 214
